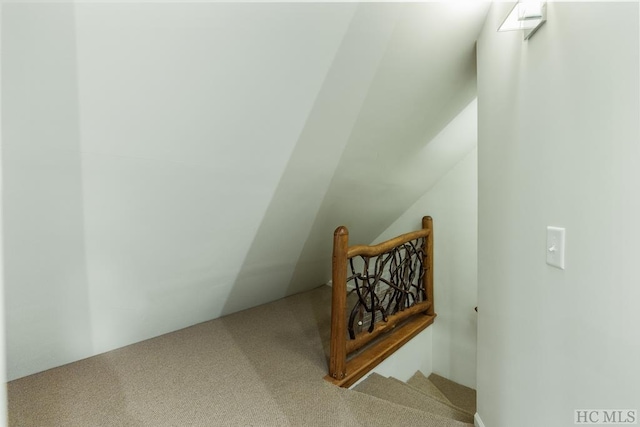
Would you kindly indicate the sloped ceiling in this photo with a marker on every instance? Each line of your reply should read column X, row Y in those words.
column 422, row 75
column 168, row 163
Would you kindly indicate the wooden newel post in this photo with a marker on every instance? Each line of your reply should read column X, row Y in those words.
column 338, row 356
column 427, row 224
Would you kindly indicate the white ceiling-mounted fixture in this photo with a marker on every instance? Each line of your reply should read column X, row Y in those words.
column 527, row 15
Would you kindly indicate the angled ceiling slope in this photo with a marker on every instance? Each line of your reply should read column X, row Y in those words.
column 419, row 75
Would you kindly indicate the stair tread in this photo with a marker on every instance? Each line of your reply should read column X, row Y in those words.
column 400, row 393
column 442, row 399
column 461, row 396
column 424, row 385
column 410, row 416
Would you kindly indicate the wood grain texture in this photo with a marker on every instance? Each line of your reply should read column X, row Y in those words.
column 427, row 225
column 365, row 337
column 369, row 358
column 375, row 250
column 338, row 348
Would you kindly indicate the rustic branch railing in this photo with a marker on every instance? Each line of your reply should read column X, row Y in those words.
column 393, row 299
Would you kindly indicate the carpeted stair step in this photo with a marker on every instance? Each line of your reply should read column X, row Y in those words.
column 374, row 411
column 461, row 396
column 424, row 385
column 402, row 394
column 441, row 398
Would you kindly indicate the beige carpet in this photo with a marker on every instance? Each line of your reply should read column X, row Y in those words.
column 422, row 383
column 260, row 367
column 398, row 392
column 461, row 396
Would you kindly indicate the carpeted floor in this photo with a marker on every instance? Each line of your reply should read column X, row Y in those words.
column 259, row 367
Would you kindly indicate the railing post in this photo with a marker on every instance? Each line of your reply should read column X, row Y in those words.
column 427, row 223
column 338, row 356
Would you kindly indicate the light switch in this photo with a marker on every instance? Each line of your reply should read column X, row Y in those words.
column 555, row 246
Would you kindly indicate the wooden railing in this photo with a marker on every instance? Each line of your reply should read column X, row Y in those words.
column 391, row 300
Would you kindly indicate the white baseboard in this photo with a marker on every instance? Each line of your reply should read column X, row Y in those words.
column 477, row 421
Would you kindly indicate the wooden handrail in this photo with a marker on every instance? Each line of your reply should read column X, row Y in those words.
column 397, row 329
column 383, row 247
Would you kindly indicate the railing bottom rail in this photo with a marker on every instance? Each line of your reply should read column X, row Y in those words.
column 360, row 364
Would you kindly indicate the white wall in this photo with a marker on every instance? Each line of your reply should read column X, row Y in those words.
column 141, row 152
column 3, row 361
column 420, row 86
column 559, row 144
column 452, row 203
column 167, row 163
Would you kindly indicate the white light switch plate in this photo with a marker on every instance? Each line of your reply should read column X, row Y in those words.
column 555, row 246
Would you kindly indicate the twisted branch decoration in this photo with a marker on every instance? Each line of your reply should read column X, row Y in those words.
column 391, row 283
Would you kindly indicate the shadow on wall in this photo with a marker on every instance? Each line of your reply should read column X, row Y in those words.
column 46, row 280
column 289, row 218
column 367, row 145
